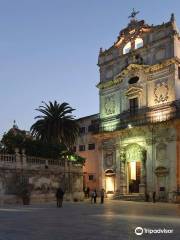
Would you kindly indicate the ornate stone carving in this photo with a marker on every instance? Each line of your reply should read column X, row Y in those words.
column 134, row 152
column 134, row 132
column 161, row 92
column 161, row 171
column 109, row 105
column 161, row 154
column 133, row 91
column 122, row 155
column 108, row 160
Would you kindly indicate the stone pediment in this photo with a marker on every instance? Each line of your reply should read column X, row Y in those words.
column 135, row 90
column 133, row 30
column 128, row 71
column 161, row 171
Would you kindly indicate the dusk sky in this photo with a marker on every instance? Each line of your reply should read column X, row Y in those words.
column 49, row 51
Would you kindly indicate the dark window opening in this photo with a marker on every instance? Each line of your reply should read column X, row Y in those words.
column 91, row 177
column 82, row 130
column 179, row 72
column 133, row 104
column 133, row 80
column 81, row 148
column 91, row 146
column 90, row 128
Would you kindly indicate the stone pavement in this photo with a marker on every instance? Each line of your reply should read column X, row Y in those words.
column 85, row 221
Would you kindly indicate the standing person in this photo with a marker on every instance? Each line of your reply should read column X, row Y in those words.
column 154, row 197
column 88, row 190
column 59, row 197
column 102, row 195
column 92, row 196
column 147, row 197
column 85, row 192
column 95, row 196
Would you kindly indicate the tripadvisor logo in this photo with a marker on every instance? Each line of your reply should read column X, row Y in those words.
column 139, row 231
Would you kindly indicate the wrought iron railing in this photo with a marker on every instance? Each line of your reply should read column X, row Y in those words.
column 140, row 117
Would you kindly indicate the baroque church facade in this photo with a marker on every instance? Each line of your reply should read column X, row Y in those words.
column 139, row 129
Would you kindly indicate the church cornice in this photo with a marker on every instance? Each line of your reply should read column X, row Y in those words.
column 137, row 67
column 119, row 78
column 164, row 64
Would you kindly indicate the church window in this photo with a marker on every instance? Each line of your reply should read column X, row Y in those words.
column 81, row 148
column 138, row 43
column 90, row 128
column 133, row 80
column 82, row 130
column 91, row 146
column 127, row 48
column 133, row 105
column 91, row 177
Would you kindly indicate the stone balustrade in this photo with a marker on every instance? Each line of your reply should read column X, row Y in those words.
column 43, row 175
column 22, row 161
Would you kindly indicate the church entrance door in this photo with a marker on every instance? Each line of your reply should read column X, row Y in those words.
column 134, row 174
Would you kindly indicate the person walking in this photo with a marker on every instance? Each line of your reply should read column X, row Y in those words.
column 88, row 190
column 92, row 196
column 59, row 197
column 102, row 195
column 95, row 196
column 147, row 197
column 154, row 197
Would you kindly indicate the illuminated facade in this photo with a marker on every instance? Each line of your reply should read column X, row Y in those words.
column 139, row 93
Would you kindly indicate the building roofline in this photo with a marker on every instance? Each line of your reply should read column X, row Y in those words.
column 89, row 116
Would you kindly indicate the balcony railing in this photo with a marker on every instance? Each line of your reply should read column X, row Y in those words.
column 140, row 117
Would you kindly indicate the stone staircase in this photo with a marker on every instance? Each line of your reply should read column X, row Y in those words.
column 130, row 197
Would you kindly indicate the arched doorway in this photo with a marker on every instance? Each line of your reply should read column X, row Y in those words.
column 109, row 181
column 135, row 168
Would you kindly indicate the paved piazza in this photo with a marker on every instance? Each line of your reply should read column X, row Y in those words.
column 83, row 221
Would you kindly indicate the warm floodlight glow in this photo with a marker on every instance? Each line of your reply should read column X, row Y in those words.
column 109, row 184
column 110, row 127
column 138, row 43
column 161, row 116
column 133, row 170
column 127, row 48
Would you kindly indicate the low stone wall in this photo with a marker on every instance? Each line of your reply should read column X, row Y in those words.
column 43, row 176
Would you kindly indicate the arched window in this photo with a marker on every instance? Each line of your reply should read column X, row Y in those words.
column 138, row 43
column 127, row 48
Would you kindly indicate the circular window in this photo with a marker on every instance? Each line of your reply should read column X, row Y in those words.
column 133, row 80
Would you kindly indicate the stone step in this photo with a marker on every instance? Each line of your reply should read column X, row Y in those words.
column 130, row 197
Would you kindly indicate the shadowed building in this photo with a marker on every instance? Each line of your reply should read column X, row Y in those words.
column 87, row 147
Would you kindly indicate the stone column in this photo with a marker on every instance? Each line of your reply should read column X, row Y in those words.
column 117, row 180
column 123, row 181
column 18, row 158
column 67, row 180
column 142, row 185
column 24, row 162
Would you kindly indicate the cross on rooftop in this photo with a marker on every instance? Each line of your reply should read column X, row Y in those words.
column 133, row 14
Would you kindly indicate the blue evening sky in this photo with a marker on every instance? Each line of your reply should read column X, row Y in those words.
column 49, row 51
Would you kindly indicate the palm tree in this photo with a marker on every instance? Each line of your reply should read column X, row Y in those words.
column 56, row 125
